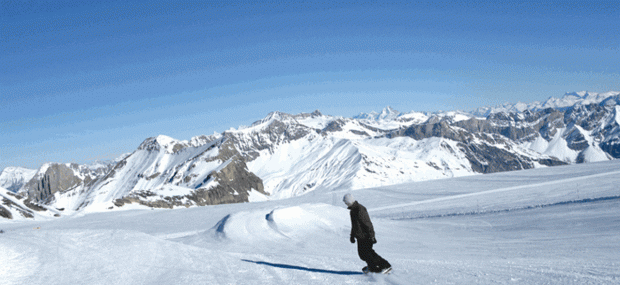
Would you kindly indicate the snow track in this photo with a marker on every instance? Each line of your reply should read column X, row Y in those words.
column 535, row 186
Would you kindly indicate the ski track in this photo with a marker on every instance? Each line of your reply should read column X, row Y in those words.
column 494, row 191
column 487, row 212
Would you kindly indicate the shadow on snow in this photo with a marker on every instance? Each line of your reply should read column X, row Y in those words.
column 286, row 266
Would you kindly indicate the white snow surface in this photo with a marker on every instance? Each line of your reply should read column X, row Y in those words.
column 558, row 225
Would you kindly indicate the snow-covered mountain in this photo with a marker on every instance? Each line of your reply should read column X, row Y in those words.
column 286, row 155
column 295, row 154
column 586, row 131
column 14, row 178
column 570, row 99
column 163, row 172
column 387, row 114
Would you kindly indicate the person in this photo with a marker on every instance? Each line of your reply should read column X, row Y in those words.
column 363, row 231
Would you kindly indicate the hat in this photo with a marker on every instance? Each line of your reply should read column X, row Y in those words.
column 348, row 199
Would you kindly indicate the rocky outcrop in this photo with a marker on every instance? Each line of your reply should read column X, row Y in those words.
column 55, row 177
column 4, row 212
column 484, row 144
column 232, row 182
column 612, row 147
column 277, row 128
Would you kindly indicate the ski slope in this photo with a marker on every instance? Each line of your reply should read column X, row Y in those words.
column 557, row 225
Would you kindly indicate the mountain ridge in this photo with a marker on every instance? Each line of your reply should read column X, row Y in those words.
column 284, row 155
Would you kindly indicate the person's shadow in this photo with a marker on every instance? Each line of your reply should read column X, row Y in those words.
column 286, row 266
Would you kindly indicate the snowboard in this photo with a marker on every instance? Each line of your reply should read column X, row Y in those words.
column 385, row 271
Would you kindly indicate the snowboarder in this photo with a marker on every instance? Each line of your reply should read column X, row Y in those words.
column 362, row 230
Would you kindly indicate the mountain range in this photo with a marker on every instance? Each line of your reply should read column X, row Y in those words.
column 286, row 155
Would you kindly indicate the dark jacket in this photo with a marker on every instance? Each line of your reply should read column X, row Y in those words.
column 361, row 227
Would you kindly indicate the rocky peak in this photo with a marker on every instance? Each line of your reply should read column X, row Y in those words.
column 387, row 114
column 315, row 114
column 162, row 142
column 203, row 139
column 273, row 117
column 59, row 177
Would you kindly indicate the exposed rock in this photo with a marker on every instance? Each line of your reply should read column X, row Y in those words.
column 281, row 128
column 479, row 143
column 234, row 182
column 57, row 177
column 612, row 147
column 230, row 184
column 333, row 126
column 22, row 211
column 5, row 213
column 34, row 206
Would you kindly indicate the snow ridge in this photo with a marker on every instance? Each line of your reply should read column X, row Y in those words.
column 570, row 99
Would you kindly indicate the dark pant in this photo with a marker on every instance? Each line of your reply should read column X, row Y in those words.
column 375, row 262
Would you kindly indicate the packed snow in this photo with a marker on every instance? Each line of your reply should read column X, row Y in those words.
column 558, row 225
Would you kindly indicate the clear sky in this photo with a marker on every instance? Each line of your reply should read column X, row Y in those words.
column 87, row 80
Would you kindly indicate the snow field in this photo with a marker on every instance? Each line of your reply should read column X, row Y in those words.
column 558, row 225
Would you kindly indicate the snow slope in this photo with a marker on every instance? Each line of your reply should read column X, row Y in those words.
column 558, row 225
column 321, row 163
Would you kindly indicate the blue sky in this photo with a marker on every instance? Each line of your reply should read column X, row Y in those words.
column 86, row 80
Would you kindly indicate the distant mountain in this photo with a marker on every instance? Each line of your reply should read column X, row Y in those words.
column 571, row 99
column 13, row 178
column 284, row 155
column 387, row 114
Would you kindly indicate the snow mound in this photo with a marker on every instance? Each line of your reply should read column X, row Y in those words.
column 297, row 223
